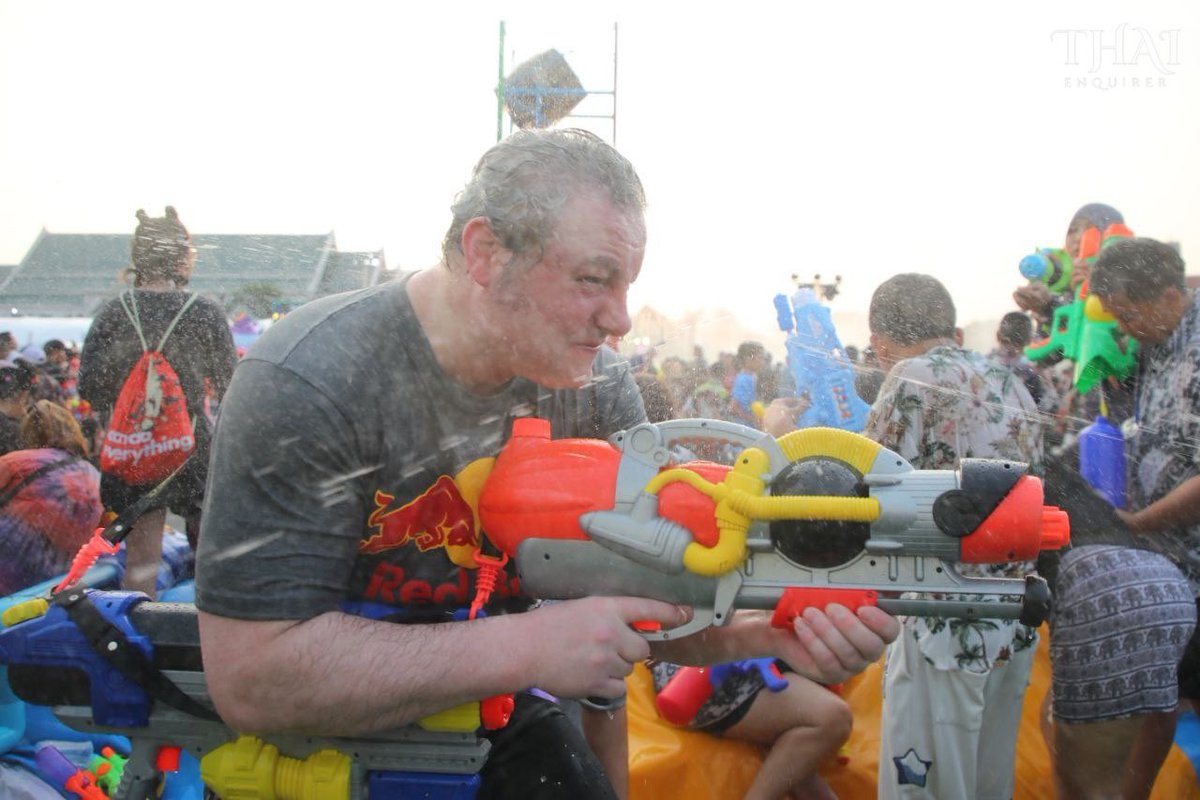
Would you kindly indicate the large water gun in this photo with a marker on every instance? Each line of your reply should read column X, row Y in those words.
column 1083, row 331
column 132, row 668
column 816, row 517
column 819, row 363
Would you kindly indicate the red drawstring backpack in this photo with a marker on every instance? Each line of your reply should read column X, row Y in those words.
column 150, row 433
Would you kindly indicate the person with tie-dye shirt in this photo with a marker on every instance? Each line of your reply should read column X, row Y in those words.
column 49, row 498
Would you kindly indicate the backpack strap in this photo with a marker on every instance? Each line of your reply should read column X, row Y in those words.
column 170, row 328
column 132, row 312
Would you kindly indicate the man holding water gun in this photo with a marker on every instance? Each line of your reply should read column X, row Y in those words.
column 355, row 493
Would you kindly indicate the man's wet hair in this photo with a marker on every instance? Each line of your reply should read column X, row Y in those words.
column 160, row 245
column 522, row 184
column 1016, row 329
column 1141, row 269
column 910, row 308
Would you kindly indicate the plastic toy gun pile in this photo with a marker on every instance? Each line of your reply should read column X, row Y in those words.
column 1082, row 330
column 816, row 517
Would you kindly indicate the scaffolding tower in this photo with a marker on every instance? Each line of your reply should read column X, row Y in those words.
column 543, row 90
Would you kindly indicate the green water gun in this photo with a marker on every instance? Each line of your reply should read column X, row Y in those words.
column 1083, row 331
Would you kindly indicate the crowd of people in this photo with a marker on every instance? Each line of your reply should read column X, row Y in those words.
column 380, row 395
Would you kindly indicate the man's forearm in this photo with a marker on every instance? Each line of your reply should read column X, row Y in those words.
column 1180, row 507
column 340, row 675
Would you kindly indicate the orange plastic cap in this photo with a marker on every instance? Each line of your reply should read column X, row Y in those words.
column 1056, row 528
column 533, row 427
column 167, row 759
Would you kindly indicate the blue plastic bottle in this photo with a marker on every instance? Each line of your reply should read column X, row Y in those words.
column 1102, row 460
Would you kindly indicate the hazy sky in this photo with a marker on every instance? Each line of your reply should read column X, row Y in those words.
column 860, row 139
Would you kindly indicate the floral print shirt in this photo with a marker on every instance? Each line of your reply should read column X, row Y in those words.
column 945, row 405
column 1161, row 449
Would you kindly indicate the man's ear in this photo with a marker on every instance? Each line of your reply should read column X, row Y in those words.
column 483, row 254
column 881, row 345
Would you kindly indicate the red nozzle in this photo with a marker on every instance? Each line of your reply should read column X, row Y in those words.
column 1017, row 529
column 495, row 712
column 1056, row 528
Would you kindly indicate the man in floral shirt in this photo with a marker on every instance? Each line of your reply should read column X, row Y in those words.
column 952, row 688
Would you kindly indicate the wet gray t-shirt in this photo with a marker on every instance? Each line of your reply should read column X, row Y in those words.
column 334, row 459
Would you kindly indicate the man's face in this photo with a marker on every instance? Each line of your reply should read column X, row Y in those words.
column 554, row 315
column 1149, row 321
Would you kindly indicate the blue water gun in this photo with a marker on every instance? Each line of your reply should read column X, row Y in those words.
column 819, row 363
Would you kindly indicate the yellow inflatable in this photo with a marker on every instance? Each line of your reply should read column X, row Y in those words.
column 666, row 762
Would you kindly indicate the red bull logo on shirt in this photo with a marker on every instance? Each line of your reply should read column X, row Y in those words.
column 438, row 517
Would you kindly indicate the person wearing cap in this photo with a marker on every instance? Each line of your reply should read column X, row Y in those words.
column 1035, row 297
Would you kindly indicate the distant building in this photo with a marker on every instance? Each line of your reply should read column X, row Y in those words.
column 71, row 274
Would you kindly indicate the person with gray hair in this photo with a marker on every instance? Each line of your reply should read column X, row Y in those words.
column 952, row 688
column 347, row 488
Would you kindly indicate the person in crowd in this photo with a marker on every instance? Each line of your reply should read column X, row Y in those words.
column 680, row 380
column 16, row 387
column 868, row 376
column 1012, row 335
column 544, row 243
column 1120, row 643
column 44, row 387
column 1112, row 396
column 1035, row 297
column 801, row 726
column 953, row 688
column 710, row 398
column 49, row 498
column 199, row 348
column 8, row 343
column 743, row 394
column 58, row 363
column 656, row 398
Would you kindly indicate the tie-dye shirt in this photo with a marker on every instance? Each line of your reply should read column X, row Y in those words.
column 934, row 410
column 48, row 520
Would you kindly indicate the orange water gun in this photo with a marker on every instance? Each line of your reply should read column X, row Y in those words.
column 816, row 517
